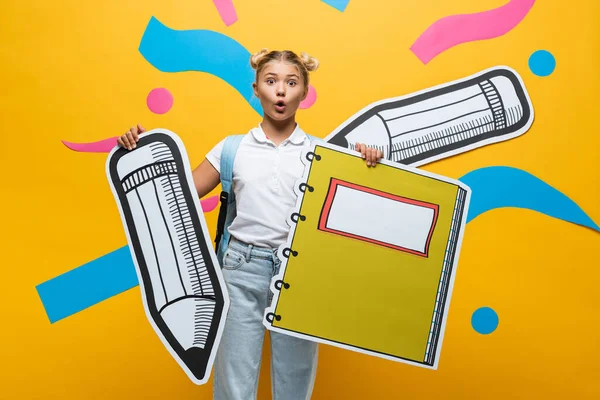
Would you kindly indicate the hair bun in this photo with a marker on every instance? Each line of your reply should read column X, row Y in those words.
column 256, row 57
column 309, row 62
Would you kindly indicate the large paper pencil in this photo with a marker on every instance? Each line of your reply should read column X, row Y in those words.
column 371, row 257
column 435, row 123
column 183, row 291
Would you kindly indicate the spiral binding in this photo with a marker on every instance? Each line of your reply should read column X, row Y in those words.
column 314, row 156
column 281, row 283
column 286, row 252
column 295, row 217
column 272, row 316
column 298, row 217
column 303, row 186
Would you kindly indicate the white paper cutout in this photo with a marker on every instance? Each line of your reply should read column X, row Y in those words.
column 357, row 212
column 183, row 291
column 442, row 121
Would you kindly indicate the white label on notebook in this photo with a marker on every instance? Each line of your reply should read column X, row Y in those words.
column 378, row 217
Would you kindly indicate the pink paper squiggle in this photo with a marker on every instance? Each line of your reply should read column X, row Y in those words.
column 453, row 30
column 106, row 145
column 310, row 99
column 226, row 11
column 209, row 204
column 102, row 146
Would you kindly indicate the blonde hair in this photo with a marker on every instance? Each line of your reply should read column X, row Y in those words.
column 305, row 63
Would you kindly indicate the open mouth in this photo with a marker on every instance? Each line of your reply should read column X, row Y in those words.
column 280, row 106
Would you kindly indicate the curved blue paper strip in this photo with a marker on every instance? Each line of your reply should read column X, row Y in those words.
column 339, row 5
column 491, row 188
column 497, row 187
column 170, row 50
column 88, row 284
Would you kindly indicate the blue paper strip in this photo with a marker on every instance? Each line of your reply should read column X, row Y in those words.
column 337, row 4
column 170, row 50
column 492, row 187
column 497, row 187
column 88, row 284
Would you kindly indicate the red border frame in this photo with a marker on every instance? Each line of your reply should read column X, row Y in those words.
column 329, row 201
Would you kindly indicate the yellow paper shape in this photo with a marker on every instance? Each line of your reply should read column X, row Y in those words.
column 370, row 263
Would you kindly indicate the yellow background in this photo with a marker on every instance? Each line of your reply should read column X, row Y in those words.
column 71, row 70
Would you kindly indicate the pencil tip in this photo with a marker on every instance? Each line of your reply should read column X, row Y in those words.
column 196, row 360
column 340, row 141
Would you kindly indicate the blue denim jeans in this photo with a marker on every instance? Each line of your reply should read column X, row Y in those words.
column 247, row 271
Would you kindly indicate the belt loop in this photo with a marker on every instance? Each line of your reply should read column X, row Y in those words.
column 248, row 252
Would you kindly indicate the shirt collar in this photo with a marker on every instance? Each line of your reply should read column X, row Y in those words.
column 297, row 137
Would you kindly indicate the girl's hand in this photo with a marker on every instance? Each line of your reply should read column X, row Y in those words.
column 129, row 139
column 370, row 154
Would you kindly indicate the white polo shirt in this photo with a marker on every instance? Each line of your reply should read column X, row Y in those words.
column 263, row 183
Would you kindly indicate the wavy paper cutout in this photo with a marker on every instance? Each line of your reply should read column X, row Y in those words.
column 499, row 187
column 106, row 145
column 310, row 99
column 226, row 11
column 102, row 146
column 491, row 188
column 94, row 281
column 453, row 30
column 89, row 284
column 170, row 50
column 209, row 204
column 339, row 5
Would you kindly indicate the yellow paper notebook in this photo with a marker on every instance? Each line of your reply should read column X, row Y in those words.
column 370, row 258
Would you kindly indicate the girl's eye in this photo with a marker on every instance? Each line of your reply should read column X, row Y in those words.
column 270, row 81
column 292, row 83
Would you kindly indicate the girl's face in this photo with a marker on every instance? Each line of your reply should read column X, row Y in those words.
column 280, row 89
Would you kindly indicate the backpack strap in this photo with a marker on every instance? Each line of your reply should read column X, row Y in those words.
column 227, row 210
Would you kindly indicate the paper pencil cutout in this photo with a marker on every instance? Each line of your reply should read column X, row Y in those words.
column 442, row 121
column 182, row 288
column 371, row 256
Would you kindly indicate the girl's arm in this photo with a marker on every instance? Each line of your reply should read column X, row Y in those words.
column 206, row 178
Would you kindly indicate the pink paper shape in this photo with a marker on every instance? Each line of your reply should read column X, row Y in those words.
column 159, row 100
column 102, row 146
column 209, row 204
column 106, row 145
column 452, row 30
column 310, row 99
column 226, row 11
